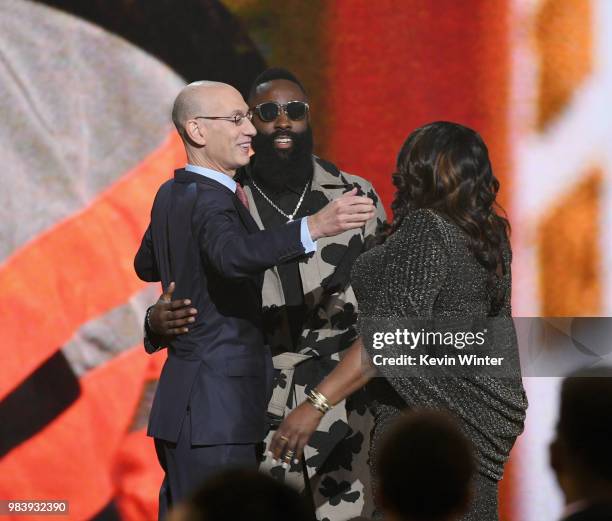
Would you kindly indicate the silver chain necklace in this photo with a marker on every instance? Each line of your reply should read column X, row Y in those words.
column 287, row 216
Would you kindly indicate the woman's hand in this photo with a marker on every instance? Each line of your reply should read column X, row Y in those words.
column 293, row 434
column 353, row 372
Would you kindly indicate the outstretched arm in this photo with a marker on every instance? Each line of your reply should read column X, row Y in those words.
column 233, row 253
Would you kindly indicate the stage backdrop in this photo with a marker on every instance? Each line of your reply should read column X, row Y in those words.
column 86, row 140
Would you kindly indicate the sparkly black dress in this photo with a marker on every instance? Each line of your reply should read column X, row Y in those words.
column 425, row 269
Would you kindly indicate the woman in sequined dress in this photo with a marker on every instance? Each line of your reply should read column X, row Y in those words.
column 446, row 255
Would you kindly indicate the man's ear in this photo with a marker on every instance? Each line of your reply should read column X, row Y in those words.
column 196, row 132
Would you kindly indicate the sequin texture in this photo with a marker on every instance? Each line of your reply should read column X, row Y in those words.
column 425, row 269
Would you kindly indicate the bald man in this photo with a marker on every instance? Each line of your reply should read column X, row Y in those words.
column 210, row 404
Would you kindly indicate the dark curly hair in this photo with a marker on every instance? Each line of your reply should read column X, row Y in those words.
column 272, row 74
column 445, row 166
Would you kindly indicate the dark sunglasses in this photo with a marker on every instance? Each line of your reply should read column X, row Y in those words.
column 270, row 110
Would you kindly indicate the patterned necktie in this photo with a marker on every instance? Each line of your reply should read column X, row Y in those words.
column 242, row 196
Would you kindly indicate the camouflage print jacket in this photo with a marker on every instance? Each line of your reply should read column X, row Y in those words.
column 331, row 458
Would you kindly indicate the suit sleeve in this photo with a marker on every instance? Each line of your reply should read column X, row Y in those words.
column 144, row 262
column 152, row 342
column 146, row 269
column 230, row 249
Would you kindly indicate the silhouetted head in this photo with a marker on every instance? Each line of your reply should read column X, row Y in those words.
column 581, row 454
column 425, row 468
column 244, row 495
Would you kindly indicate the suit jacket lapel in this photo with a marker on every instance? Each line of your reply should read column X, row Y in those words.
column 184, row 176
column 253, row 207
column 272, row 293
column 245, row 216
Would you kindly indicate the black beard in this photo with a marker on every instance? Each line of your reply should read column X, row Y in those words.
column 274, row 168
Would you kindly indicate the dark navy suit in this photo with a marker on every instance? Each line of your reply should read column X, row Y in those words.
column 209, row 407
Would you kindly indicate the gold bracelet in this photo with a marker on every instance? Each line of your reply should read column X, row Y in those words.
column 318, row 401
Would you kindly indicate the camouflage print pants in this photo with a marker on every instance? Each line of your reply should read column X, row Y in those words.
column 335, row 462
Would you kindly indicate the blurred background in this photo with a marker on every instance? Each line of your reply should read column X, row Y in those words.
column 86, row 140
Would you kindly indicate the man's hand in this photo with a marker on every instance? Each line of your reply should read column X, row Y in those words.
column 171, row 317
column 344, row 213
